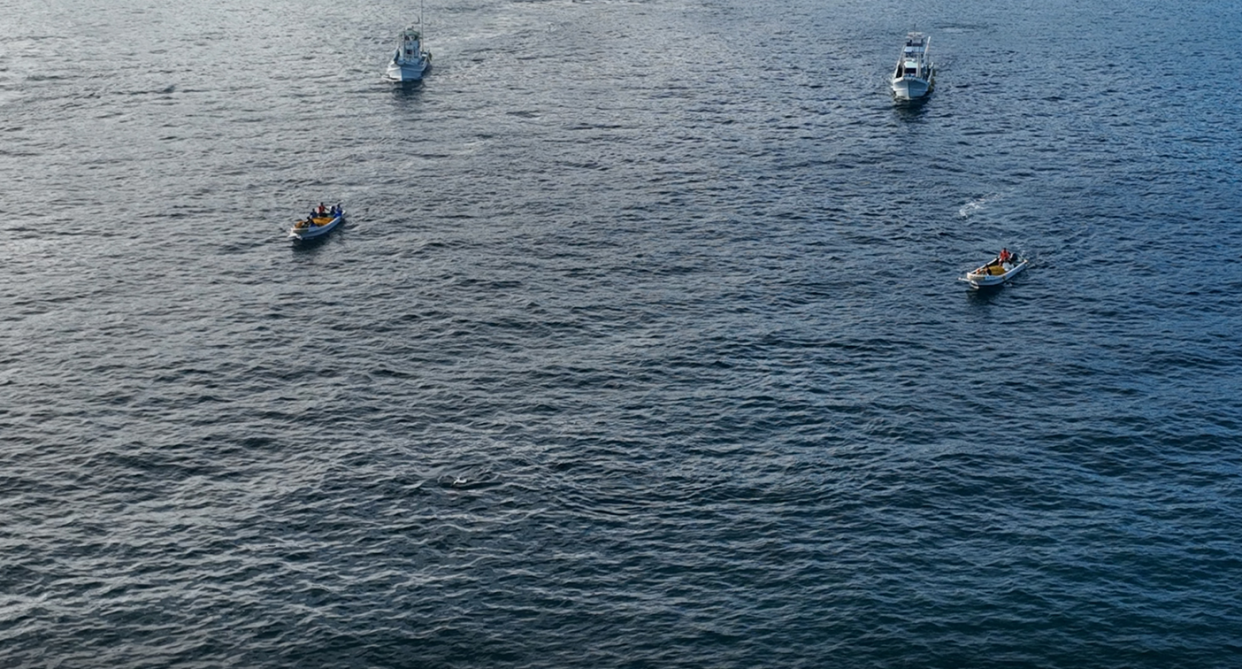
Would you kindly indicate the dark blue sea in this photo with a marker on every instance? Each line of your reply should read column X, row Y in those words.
column 642, row 344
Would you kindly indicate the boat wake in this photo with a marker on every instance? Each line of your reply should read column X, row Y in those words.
column 976, row 204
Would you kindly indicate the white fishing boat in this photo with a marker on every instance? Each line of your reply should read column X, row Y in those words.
column 915, row 75
column 1003, row 268
column 411, row 61
column 318, row 224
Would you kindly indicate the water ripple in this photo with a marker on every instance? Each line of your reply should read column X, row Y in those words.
column 642, row 345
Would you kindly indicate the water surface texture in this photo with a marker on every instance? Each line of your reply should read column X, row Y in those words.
column 642, row 345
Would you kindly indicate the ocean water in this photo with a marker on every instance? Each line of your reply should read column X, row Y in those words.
column 642, row 345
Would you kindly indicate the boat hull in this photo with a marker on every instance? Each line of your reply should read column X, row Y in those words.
column 407, row 71
column 982, row 278
column 315, row 231
column 911, row 88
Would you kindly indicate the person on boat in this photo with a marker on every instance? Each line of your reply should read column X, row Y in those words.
column 321, row 209
column 1005, row 255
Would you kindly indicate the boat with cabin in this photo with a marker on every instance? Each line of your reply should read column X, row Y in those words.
column 1004, row 267
column 411, row 61
column 915, row 75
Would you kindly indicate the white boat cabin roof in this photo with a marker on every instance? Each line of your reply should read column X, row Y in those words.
column 916, row 44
